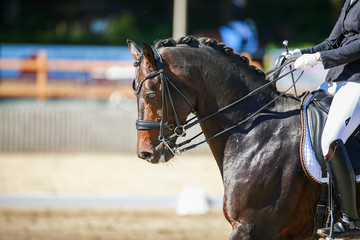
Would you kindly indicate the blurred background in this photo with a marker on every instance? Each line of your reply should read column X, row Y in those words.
column 68, row 168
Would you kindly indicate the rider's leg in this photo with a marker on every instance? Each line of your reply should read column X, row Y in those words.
column 344, row 179
column 344, row 182
column 343, row 119
column 344, row 114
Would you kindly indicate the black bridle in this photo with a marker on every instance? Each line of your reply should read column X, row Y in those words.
column 179, row 130
column 176, row 129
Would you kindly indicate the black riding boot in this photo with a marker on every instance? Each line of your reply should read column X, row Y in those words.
column 344, row 182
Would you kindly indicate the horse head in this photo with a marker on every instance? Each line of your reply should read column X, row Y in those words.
column 160, row 122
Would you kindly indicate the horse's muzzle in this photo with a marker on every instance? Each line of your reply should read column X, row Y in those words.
column 156, row 155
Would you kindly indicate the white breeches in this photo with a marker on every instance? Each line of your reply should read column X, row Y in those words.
column 344, row 113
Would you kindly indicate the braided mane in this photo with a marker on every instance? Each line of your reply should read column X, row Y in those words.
column 194, row 42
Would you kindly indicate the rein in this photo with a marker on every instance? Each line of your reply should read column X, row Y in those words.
column 179, row 130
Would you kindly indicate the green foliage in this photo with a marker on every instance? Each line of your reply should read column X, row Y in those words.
column 298, row 21
column 69, row 21
column 123, row 27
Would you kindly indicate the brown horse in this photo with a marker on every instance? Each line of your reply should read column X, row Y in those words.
column 266, row 193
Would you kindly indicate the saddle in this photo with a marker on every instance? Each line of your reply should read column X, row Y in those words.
column 314, row 109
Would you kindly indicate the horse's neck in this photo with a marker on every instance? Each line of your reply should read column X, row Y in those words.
column 223, row 90
column 283, row 108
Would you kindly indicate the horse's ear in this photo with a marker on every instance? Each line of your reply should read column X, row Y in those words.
column 148, row 53
column 134, row 49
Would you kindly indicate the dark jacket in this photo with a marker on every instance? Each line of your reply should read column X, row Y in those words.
column 341, row 51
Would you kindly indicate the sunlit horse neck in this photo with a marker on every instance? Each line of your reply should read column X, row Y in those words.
column 215, row 73
column 216, row 77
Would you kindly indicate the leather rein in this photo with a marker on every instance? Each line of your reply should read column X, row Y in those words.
column 179, row 130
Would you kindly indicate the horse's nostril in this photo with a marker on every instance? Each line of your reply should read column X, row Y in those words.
column 146, row 155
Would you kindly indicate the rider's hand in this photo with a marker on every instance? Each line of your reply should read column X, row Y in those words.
column 287, row 56
column 292, row 54
column 307, row 60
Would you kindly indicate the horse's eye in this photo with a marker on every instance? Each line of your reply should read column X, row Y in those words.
column 150, row 96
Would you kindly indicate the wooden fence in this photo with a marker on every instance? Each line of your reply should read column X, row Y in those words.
column 42, row 89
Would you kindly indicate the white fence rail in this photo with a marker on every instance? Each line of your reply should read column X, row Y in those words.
column 72, row 126
column 66, row 125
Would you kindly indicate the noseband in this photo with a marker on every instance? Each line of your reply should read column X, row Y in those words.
column 176, row 129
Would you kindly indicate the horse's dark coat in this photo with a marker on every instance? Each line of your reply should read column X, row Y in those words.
column 266, row 194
